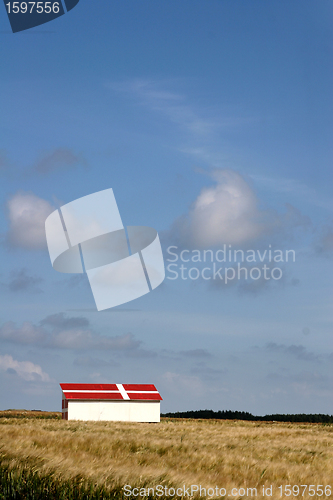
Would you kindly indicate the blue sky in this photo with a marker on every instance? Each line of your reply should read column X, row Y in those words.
column 212, row 122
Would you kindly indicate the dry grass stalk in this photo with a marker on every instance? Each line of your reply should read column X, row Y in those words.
column 175, row 452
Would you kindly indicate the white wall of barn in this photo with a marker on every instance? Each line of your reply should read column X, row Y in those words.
column 121, row 411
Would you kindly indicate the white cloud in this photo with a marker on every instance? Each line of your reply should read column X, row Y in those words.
column 24, row 369
column 27, row 213
column 224, row 213
column 229, row 213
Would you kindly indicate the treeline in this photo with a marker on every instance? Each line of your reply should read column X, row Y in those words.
column 244, row 415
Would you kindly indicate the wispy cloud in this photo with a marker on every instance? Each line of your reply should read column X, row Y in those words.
column 171, row 104
column 297, row 351
column 20, row 281
column 207, row 372
column 294, row 188
column 180, row 383
column 90, row 361
column 200, row 129
column 196, row 353
column 59, row 320
column 60, row 159
column 305, row 383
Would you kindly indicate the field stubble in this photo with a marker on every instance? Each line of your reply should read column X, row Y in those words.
column 209, row 453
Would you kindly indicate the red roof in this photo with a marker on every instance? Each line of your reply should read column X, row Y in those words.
column 142, row 392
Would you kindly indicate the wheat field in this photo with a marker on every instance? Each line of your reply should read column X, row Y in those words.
column 174, row 453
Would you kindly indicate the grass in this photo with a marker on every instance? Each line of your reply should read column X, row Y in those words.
column 49, row 415
column 108, row 455
column 26, row 484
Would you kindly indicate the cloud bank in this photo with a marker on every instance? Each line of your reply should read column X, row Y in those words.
column 59, row 331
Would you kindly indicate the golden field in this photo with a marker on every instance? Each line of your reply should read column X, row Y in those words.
column 176, row 452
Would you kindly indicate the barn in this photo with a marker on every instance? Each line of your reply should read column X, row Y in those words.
column 118, row 402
